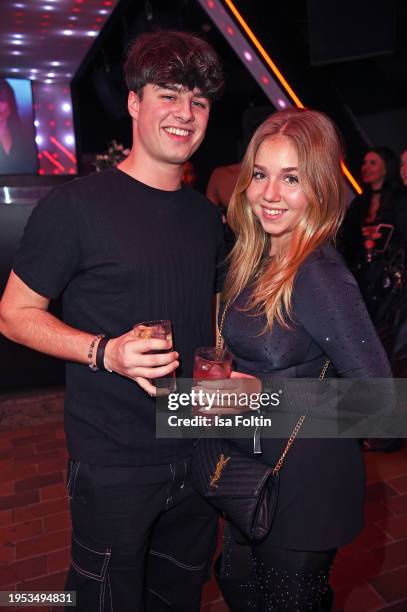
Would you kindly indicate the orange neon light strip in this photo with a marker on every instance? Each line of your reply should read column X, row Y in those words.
column 53, row 161
column 63, row 149
column 351, row 180
column 264, row 54
column 280, row 77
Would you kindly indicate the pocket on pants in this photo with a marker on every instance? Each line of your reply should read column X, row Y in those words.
column 89, row 562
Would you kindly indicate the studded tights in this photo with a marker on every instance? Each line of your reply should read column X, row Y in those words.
column 273, row 579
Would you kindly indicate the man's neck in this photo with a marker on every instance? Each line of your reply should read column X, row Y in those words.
column 167, row 177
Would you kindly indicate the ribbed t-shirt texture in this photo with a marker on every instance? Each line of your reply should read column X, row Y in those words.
column 121, row 252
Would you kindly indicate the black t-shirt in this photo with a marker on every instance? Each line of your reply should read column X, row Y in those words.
column 121, row 252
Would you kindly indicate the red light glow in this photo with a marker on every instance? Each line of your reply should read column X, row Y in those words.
column 56, row 163
column 63, row 149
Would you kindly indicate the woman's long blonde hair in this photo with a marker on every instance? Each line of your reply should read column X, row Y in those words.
column 318, row 146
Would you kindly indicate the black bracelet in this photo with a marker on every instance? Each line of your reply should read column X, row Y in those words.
column 100, row 353
column 91, row 361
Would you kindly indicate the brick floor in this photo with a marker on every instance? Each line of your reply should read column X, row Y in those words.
column 370, row 575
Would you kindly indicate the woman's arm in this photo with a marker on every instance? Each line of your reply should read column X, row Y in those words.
column 328, row 304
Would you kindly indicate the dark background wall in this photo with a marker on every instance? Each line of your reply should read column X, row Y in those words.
column 348, row 59
column 20, row 367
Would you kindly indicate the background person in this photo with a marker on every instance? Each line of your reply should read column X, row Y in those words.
column 223, row 178
column 398, row 350
column 17, row 151
column 368, row 254
column 377, row 257
column 125, row 246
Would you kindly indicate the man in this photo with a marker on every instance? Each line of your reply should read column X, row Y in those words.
column 129, row 245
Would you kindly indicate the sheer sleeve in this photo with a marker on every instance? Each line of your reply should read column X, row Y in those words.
column 328, row 304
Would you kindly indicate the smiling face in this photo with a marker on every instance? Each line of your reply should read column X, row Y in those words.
column 373, row 170
column 169, row 123
column 275, row 194
column 403, row 167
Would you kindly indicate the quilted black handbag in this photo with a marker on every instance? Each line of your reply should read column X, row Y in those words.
column 241, row 487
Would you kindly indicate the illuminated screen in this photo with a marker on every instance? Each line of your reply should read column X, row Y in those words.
column 18, row 153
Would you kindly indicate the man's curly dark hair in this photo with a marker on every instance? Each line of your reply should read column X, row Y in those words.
column 168, row 58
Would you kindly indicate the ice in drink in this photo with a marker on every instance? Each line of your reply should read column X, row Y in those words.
column 211, row 363
column 160, row 330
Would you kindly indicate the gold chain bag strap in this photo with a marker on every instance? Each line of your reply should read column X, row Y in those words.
column 298, row 425
column 220, row 341
column 242, row 488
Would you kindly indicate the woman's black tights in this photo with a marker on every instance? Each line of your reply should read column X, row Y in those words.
column 264, row 578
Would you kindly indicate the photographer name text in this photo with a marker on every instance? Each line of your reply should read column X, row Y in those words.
column 220, row 420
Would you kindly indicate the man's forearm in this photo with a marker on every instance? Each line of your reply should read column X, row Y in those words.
column 24, row 318
column 42, row 331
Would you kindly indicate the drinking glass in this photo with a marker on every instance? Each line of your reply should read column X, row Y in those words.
column 211, row 363
column 160, row 329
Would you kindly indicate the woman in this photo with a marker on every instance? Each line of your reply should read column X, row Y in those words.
column 17, row 154
column 373, row 254
column 398, row 351
column 292, row 304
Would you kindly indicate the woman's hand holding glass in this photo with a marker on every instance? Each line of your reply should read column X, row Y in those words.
column 230, row 395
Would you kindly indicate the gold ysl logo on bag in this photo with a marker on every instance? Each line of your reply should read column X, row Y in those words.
column 218, row 470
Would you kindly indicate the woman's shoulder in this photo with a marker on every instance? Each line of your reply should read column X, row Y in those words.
column 324, row 255
column 325, row 265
